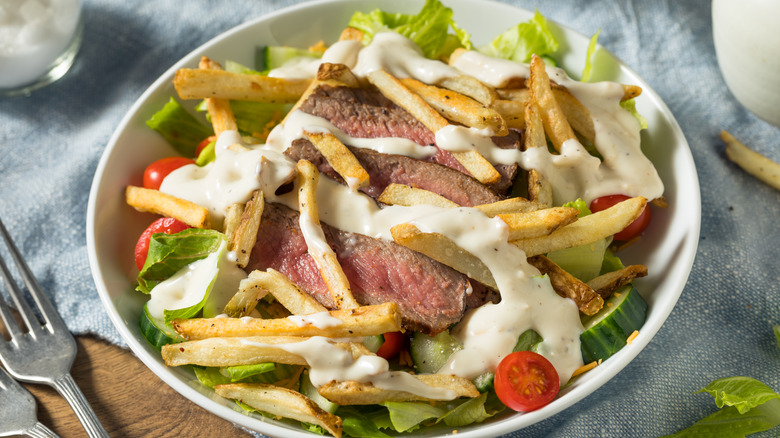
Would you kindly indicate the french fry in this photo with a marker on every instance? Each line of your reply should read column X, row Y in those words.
column 471, row 87
column 586, row 229
column 525, row 225
column 232, row 219
column 220, row 84
column 340, row 158
column 606, row 284
column 250, row 292
column 281, row 402
column 356, row 393
column 511, row 111
column 232, row 351
column 458, row 108
column 154, row 201
column 567, row 286
column 400, row 194
column 630, row 92
column 751, row 161
column 555, row 123
column 334, row 75
column 363, row 321
column 285, row 291
column 539, row 188
column 510, row 205
column 246, row 233
column 222, row 118
column 323, row 255
column 393, row 89
column 443, row 250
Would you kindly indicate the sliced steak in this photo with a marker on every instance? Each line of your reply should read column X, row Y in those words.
column 366, row 113
column 384, row 169
column 431, row 296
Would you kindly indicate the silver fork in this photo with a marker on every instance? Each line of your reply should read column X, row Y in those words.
column 18, row 415
column 45, row 352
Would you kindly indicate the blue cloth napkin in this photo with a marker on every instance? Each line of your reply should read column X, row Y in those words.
column 51, row 141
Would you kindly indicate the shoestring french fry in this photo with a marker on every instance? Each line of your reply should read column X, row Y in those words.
column 751, row 161
column 525, row 225
column 539, row 188
column 340, row 158
column 154, row 201
column 393, row 89
column 356, row 393
column 566, row 285
column 458, row 108
column 220, row 84
column 587, row 229
column 282, row 402
column 368, row 320
column 246, row 232
column 220, row 113
column 248, row 350
column 323, row 255
column 471, row 87
column 555, row 124
column 243, row 302
column 400, row 194
column 607, row 283
column 285, row 292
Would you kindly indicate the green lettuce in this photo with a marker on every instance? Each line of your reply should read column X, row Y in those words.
column 523, row 40
column 407, row 416
column 747, row 406
column 355, row 423
column 179, row 128
column 587, row 70
column 429, row 28
column 630, row 106
column 168, row 253
column 255, row 118
column 238, row 373
column 585, row 261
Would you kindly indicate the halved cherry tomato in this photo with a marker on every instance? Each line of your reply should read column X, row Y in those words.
column 634, row 228
column 167, row 225
column 394, row 341
column 202, row 145
column 157, row 171
column 526, row 381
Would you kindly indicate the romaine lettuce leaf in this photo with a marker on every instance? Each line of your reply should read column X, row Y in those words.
column 585, row 261
column 750, row 407
column 355, row 423
column 168, row 253
column 406, row 416
column 473, row 410
column 255, row 119
column 428, row 29
column 520, row 42
column 179, row 128
column 240, row 372
column 744, row 393
column 630, row 106
column 587, row 70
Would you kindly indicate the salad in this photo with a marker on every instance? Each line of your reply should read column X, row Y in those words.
column 395, row 230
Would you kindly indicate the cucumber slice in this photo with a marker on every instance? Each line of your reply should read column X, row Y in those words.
column 309, row 390
column 606, row 332
column 429, row 354
column 155, row 331
column 373, row 342
column 276, row 56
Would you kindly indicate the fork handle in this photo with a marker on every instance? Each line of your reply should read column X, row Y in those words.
column 68, row 389
column 40, row 431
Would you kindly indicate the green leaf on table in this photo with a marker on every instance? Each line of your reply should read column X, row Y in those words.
column 744, row 393
column 777, row 335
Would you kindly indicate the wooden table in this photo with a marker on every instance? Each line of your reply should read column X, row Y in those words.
column 128, row 398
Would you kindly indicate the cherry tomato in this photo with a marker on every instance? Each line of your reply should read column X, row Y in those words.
column 526, row 381
column 157, row 171
column 394, row 341
column 167, row 225
column 634, row 228
column 202, row 145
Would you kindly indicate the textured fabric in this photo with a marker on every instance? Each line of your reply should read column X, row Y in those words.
column 52, row 140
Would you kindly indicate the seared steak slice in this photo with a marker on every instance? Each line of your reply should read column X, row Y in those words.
column 384, row 169
column 364, row 113
column 431, row 296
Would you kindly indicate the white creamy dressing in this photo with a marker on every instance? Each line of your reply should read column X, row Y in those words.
column 575, row 173
column 528, row 301
column 313, row 235
column 320, row 320
column 330, row 362
column 231, row 178
column 304, row 67
column 187, row 287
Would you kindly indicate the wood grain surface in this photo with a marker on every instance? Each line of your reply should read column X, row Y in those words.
column 128, row 398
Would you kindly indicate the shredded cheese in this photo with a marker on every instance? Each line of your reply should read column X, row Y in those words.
column 584, row 368
column 632, row 337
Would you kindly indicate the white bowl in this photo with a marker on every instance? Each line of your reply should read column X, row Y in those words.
column 668, row 247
